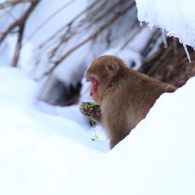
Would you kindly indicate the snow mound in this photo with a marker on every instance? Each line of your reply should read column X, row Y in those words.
column 177, row 18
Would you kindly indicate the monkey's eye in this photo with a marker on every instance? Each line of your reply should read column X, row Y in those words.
column 87, row 80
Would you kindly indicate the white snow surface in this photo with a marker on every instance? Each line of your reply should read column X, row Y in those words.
column 46, row 150
column 176, row 17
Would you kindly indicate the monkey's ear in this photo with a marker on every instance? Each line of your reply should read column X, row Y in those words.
column 111, row 67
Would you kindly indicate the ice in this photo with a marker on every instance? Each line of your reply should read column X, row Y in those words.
column 164, row 38
column 187, row 53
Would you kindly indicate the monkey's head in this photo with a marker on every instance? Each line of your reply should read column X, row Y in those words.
column 101, row 73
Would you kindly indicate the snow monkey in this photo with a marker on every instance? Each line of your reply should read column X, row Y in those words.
column 125, row 96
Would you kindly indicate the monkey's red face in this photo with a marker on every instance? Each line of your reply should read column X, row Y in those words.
column 93, row 90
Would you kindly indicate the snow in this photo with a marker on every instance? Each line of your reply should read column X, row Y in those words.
column 48, row 150
column 176, row 17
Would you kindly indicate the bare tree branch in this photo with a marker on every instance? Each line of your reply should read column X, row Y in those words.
column 18, row 46
column 20, row 23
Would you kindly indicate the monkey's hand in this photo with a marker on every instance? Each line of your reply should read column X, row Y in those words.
column 91, row 110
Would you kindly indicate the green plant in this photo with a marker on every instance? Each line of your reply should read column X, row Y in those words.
column 88, row 106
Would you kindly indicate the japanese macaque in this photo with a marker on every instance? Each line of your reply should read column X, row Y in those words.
column 125, row 96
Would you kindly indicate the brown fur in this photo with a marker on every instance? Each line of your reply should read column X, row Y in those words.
column 125, row 96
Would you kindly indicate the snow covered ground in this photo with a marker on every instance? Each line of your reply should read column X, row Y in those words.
column 48, row 150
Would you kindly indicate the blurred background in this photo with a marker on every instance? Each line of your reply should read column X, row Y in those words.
column 55, row 42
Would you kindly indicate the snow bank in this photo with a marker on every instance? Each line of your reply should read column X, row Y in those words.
column 49, row 154
column 33, row 143
column 176, row 17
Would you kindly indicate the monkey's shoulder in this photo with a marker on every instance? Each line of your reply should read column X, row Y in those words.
column 137, row 82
